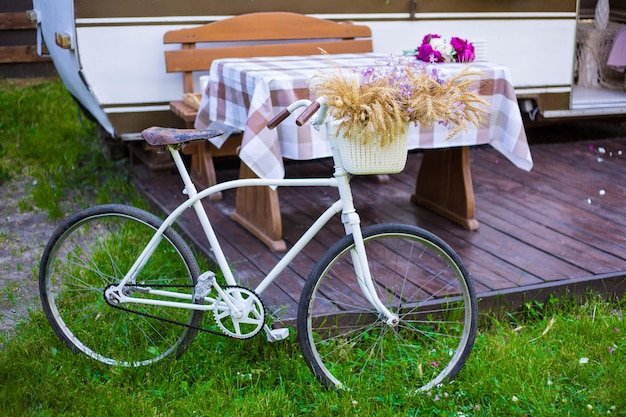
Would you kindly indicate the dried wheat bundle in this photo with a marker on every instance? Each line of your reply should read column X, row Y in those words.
column 378, row 103
column 450, row 102
column 368, row 111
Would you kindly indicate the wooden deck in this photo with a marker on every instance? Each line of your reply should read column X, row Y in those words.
column 560, row 227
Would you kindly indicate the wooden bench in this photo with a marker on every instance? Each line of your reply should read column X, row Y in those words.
column 249, row 35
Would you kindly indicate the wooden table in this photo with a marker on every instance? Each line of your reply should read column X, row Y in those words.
column 247, row 93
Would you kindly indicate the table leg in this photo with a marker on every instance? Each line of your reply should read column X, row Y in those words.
column 258, row 210
column 444, row 185
column 202, row 170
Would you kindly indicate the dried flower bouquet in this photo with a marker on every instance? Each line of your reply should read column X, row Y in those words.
column 378, row 103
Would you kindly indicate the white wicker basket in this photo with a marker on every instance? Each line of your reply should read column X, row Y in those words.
column 371, row 157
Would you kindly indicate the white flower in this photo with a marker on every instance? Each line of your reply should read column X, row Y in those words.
column 441, row 45
column 583, row 361
column 514, row 398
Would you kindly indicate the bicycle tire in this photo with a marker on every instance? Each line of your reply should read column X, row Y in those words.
column 95, row 248
column 418, row 277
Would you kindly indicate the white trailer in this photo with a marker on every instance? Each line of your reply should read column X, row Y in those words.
column 110, row 54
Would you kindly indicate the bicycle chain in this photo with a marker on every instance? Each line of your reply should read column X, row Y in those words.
column 152, row 316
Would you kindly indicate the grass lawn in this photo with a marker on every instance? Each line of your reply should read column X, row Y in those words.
column 568, row 360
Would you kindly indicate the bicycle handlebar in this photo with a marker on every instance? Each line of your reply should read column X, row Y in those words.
column 308, row 113
column 276, row 120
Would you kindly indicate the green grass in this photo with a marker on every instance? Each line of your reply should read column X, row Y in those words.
column 517, row 368
column 47, row 141
column 554, row 359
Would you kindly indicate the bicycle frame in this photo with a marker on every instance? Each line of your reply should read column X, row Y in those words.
column 343, row 205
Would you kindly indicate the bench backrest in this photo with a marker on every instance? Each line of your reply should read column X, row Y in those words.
column 261, row 34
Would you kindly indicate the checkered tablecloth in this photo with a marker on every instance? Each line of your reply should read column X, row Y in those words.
column 246, row 93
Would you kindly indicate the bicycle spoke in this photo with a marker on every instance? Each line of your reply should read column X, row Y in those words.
column 94, row 249
column 420, row 280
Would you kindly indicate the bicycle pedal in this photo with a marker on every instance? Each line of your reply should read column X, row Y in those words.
column 204, row 285
column 276, row 335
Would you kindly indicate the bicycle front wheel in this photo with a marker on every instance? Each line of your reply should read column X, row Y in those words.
column 94, row 249
column 347, row 343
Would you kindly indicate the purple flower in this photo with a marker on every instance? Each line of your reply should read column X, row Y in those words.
column 428, row 37
column 464, row 49
column 435, row 49
column 426, row 53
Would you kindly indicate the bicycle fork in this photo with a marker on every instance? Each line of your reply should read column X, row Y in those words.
column 352, row 225
column 362, row 270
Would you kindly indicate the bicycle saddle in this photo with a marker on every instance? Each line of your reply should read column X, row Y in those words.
column 157, row 136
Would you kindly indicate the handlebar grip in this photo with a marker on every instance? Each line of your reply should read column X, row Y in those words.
column 278, row 118
column 307, row 113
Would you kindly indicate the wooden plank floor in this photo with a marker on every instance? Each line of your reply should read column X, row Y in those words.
column 560, row 227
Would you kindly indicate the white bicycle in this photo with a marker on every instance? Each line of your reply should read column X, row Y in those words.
column 388, row 307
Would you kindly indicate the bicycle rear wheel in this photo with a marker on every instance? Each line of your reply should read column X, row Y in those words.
column 348, row 344
column 94, row 249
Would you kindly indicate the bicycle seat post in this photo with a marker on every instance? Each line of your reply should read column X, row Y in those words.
column 190, row 188
column 191, row 192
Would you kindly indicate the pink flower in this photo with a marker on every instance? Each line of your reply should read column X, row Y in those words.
column 464, row 49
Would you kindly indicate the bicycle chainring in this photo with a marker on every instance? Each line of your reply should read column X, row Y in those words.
column 245, row 319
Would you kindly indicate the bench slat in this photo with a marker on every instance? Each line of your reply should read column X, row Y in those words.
column 183, row 60
column 267, row 26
